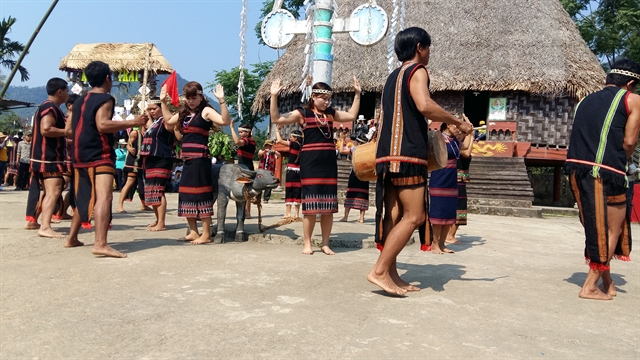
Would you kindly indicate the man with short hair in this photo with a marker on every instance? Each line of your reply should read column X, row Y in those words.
column 24, row 159
column 604, row 136
column 93, row 157
column 47, row 159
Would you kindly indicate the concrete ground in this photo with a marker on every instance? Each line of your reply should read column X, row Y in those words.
column 510, row 291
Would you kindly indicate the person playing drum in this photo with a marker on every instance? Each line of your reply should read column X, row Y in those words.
column 401, row 158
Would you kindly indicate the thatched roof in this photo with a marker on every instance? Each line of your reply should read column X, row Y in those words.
column 528, row 45
column 119, row 56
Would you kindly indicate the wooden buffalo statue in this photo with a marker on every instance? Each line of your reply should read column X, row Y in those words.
column 234, row 182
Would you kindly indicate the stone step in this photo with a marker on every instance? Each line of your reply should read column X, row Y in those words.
column 527, row 212
column 499, row 202
column 558, row 211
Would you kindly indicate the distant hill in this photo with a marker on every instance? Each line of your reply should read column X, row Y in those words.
column 37, row 95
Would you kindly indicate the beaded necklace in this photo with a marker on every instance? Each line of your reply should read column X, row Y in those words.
column 325, row 123
column 456, row 151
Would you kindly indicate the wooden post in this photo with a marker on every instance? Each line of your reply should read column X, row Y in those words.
column 557, row 186
column 145, row 76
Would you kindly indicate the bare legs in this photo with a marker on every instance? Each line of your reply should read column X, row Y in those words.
column 161, row 213
column 52, row 189
column 308, row 223
column 451, row 236
column 439, row 235
column 346, row 214
column 102, row 216
column 196, row 238
column 412, row 201
column 123, row 193
column 590, row 290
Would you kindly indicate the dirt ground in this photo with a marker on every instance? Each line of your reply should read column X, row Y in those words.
column 509, row 291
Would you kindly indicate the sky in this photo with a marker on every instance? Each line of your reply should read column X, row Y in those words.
column 197, row 37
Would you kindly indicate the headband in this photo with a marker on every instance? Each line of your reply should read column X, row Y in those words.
column 199, row 92
column 321, row 91
column 625, row 72
column 244, row 127
column 156, row 101
column 296, row 134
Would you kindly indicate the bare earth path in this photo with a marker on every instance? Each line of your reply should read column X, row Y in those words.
column 510, row 291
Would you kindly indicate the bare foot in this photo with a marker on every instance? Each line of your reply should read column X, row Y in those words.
column 201, row 240
column 386, row 283
column 67, row 217
column 447, row 250
column 145, row 208
column 307, row 250
column 191, row 237
column 121, row 210
column 156, row 228
column 327, row 250
column 55, row 220
column 107, row 251
column 435, row 248
column 608, row 287
column 286, row 217
column 453, row 241
column 344, row 219
column 594, row 294
column 49, row 233
column 31, row 226
column 401, row 283
column 247, row 217
column 361, row 221
column 73, row 243
column 153, row 224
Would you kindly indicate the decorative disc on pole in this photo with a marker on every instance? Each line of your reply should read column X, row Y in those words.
column 373, row 21
column 273, row 29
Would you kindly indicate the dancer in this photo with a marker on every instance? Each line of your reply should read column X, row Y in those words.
column 604, row 136
column 293, row 192
column 195, row 199
column 246, row 150
column 357, row 196
column 158, row 161
column 268, row 158
column 93, row 157
column 443, row 187
column 463, row 178
column 47, row 159
column 134, row 171
column 318, row 163
column 401, row 158
column 65, row 201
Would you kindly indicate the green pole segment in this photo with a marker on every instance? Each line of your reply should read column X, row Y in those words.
column 26, row 48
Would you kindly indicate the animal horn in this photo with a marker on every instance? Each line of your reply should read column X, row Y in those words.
column 248, row 172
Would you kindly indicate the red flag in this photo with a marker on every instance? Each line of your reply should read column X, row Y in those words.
column 172, row 88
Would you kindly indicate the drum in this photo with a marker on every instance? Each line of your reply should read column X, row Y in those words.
column 437, row 151
column 364, row 161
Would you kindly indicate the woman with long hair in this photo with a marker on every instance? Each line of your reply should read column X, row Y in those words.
column 195, row 196
column 293, row 187
column 401, row 158
column 158, row 162
column 318, row 164
column 443, row 187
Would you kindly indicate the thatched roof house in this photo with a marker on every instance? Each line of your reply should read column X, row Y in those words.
column 119, row 56
column 502, row 45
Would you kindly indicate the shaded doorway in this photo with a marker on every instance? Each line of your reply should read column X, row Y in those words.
column 476, row 106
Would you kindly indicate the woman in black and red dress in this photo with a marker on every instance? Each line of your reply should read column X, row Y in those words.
column 158, row 163
column 318, row 165
column 195, row 199
column 293, row 187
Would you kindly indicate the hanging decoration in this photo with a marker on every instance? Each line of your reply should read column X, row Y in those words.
column 307, row 69
column 243, row 50
column 392, row 37
column 403, row 14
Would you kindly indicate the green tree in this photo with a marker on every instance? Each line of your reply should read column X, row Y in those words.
column 293, row 6
column 611, row 28
column 252, row 80
column 10, row 49
column 10, row 123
